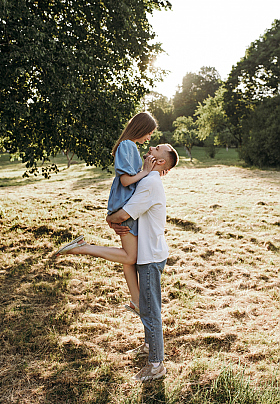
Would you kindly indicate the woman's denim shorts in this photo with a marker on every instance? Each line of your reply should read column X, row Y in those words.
column 133, row 225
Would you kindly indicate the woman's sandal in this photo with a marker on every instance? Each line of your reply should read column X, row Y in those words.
column 134, row 310
column 73, row 244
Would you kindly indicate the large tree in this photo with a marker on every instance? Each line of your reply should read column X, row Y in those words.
column 255, row 78
column 195, row 88
column 71, row 74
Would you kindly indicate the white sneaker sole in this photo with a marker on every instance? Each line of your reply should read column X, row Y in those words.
column 150, row 378
column 132, row 310
column 69, row 246
column 156, row 376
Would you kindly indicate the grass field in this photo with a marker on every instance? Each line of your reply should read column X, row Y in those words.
column 63, row 328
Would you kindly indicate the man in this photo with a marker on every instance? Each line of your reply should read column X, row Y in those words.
column 148, row 205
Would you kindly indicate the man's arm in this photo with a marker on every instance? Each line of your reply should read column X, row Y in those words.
column 114, row 219
column 118, row 217
column 138, row 204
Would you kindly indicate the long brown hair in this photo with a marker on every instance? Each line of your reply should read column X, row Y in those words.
column 140, row 125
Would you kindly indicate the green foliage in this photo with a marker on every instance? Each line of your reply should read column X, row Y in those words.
column 162, row 109
column 186, row 132
column 261, row 142
column 195, row 88
column 160, row 137
column 168, row 137
column 71, row 75
column 212, row 120
column 232, row 387
column 254, row 78
column 210, row 148
column 257, row 75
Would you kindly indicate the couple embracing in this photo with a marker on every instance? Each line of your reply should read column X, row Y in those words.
column 137, row 212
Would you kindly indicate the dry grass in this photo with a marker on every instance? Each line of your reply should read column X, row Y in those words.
column 64, row 331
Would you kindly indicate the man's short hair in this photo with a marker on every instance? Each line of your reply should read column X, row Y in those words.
column 172, row 157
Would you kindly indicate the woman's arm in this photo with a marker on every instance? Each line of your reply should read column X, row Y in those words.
column 131, row 179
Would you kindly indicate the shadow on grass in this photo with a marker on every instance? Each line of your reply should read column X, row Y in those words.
column 86, row 182
column 39, row 357
column 153, row 392
column 82, row 181
column 11, row 173
column 184, row 224
column 17, row 181
column 81, row 387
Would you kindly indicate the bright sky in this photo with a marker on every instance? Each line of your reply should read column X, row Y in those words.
column 214, row 33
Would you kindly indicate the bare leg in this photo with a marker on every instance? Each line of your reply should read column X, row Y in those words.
column 114, row 254
column 126, row 255
column 129, row 242
column 130, row 274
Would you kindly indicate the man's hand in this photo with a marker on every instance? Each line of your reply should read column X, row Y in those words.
column 164, row 172
column 109, row 221
column 119, row 229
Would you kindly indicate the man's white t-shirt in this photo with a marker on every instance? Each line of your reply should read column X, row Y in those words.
column 148, row 205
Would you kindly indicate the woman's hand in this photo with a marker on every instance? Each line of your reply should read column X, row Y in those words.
column 149, row 164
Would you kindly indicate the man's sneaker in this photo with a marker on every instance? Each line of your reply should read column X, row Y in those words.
column 149, row 372
column 141, row 350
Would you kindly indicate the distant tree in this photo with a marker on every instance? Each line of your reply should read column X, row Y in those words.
column 72, row 73
column 212, row 121
column 162, row 109
column 158, row 137
column 261, row 135
column 185, row 133
column 255, row 78
column 195, row 88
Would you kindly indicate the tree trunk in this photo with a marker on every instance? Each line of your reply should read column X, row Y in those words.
column 69, row 159
column 188, row 151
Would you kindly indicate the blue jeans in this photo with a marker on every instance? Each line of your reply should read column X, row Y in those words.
column 150, row 307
